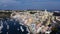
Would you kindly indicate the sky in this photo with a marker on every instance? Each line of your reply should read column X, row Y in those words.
column 29, row 4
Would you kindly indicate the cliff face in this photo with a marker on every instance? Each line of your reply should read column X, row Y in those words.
column 56, row 13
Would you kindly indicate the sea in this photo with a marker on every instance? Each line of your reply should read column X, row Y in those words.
column 11, row 26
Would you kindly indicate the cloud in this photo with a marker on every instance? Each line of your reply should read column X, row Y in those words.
column 8, row 2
